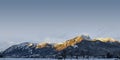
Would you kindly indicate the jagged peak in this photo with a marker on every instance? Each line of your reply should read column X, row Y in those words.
column 86, row 37
column 70, row 42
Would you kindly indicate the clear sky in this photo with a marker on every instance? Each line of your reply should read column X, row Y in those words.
column 57, row 20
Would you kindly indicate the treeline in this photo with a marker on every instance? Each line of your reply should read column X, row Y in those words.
column 83, row 54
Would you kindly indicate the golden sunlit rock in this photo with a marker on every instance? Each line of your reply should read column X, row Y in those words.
column 105, row 39
column 70, row 42
column 41, row 45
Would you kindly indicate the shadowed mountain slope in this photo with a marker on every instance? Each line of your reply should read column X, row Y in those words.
column 80, row 46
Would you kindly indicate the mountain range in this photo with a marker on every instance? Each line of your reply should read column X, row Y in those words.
column 79, row 47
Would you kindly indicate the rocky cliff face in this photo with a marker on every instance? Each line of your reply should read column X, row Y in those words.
column 80, row 46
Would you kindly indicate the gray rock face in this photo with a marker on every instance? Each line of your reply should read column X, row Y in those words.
column 86, row 48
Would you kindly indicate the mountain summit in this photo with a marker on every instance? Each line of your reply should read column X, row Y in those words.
column 80, row 46
column 71, row 42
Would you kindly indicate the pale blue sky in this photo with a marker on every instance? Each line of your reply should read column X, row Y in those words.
column 57, row 20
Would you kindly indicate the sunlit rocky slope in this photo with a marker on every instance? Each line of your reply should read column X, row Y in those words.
column 80, row 46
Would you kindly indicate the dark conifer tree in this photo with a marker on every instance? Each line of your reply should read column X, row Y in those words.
column 109, row 55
